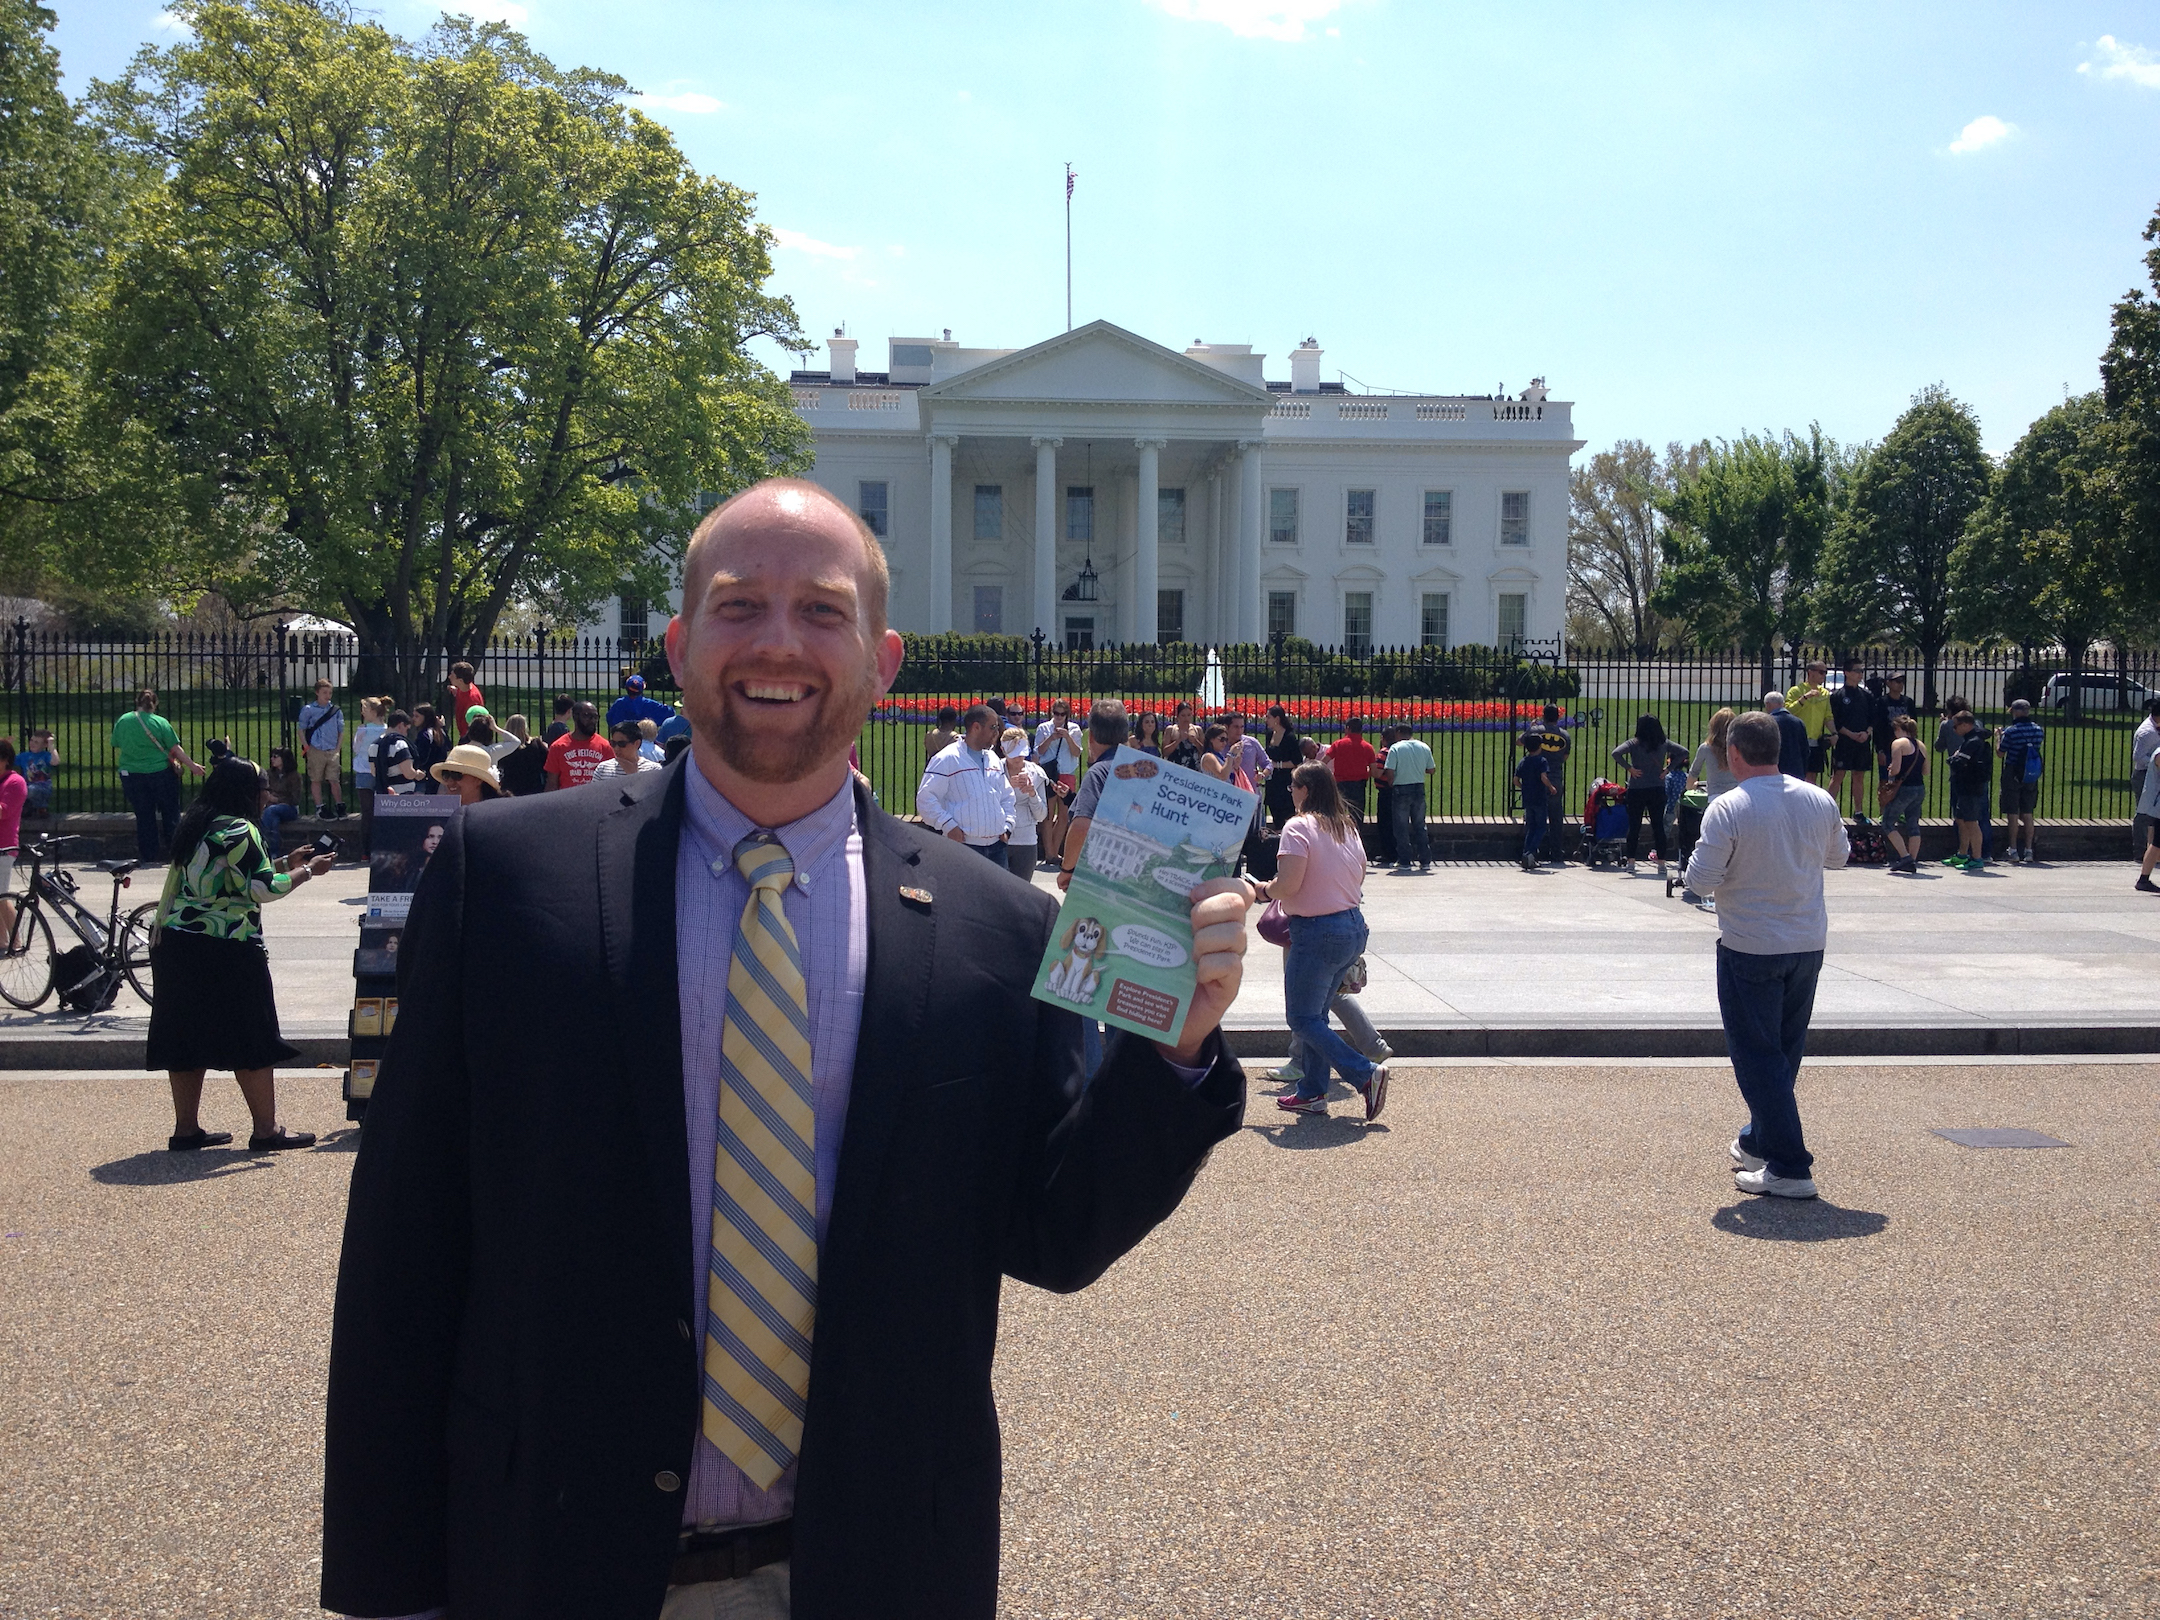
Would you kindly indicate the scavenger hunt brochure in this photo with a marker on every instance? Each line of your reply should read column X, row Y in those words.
column 1122, row 951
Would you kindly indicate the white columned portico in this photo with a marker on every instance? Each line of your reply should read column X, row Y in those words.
column 1252, row 534
column 1046, row 525
column 1146, row 537
column 941, row 449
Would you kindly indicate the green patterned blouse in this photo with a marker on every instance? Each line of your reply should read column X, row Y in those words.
column 220, row 891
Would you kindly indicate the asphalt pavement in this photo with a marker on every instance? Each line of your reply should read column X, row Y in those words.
column 1519, row 1348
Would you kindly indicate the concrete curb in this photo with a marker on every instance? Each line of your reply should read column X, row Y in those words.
column 101, row 1051
column 1952, row 1040
column 126, row 1051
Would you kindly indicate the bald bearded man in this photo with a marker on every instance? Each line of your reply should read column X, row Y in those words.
column 684, row 1304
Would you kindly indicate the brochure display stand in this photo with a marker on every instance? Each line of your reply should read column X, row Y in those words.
column 408, row 826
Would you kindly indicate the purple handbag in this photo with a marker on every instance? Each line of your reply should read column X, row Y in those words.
column 1274, row 924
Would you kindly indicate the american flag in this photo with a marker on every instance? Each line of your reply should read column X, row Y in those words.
column 1069, row 178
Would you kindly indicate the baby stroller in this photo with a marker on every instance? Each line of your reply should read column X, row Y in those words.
column 1688, row 828
column 1605, row 824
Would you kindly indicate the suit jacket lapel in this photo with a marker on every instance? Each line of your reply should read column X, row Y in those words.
column 637, row 846
column 896, row 990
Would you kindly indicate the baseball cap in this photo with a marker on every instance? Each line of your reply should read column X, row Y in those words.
column 633, row 683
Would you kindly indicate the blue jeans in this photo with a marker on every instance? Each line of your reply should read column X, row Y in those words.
column 274, row 817
column 1534, row 817
column 154, row 796
column 1766, row 1002
column 1321, row 951
column 995, row 852
column 1410, row 831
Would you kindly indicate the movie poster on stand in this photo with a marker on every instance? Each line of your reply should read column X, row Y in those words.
column 408, row 829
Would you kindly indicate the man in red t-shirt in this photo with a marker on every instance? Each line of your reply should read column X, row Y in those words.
column 463, row 695
column 578, row 752
column 1352, row 758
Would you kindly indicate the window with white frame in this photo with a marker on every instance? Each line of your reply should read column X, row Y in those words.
column 1169, row 616
column 1080, row 517
column 989, row 610
column 1281, row 613
column 1514, row 618
column 989, row 511
column 1170, row 516
column 1432, row 619
column 1282, row 516
column 872, row 503
column 1358, row 518
column 633, row 621
column 1515, row 518
column 1439, row 517
column 1357, row 623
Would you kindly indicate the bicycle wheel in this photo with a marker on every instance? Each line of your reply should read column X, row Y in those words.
column 26, row 961
column 135, row 948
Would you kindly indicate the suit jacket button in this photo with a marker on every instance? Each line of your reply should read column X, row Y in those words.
column 666, row 1480
column 683, row 1328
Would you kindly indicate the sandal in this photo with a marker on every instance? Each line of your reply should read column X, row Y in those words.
column 195, row 1140
column 283, row 1139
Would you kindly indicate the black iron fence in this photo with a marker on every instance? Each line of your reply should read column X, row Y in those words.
column 1466, row 703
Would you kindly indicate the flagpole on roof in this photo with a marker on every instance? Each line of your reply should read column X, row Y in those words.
column 1069, row 177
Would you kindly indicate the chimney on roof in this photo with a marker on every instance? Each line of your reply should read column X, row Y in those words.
column 1305, row 368
column 842, row 350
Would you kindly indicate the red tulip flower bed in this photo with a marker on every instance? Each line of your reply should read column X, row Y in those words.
column 1315, row 714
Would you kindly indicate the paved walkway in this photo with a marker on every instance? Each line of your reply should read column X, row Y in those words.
column 1518, row 1350
column 1568, row 952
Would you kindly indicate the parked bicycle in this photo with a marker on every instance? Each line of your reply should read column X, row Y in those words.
column 109, row 951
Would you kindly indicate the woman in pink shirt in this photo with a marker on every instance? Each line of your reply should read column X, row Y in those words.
column 1319, row 882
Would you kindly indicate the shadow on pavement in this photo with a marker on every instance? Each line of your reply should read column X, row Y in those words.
column 162, row 1169
column 1790, row 1220
column 1310, row 1131
column 346, row 1140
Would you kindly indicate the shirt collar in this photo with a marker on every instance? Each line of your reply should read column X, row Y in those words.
column 809, row 841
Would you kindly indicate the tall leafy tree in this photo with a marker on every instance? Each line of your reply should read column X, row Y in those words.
column 1746, row 534
column 2130, row 393
column 1615, row 530
column 1886, row 568
column 59, row 193
column 2042, row 559
column 431, row 327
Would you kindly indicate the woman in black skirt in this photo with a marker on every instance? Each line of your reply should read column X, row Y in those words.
column 214, row 1006
column 1286, row 749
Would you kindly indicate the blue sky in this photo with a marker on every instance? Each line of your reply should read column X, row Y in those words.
column 1690, row 219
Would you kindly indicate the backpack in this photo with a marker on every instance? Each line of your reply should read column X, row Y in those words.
column 1869, row 846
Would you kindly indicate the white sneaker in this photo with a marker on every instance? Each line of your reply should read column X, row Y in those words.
column 1288, row 1075
column 1746, row 1161
column 1380, row 1052
column 1762, row 1181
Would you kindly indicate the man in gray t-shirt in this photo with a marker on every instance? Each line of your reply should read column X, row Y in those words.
column 1108, row 727
column 1762, row 853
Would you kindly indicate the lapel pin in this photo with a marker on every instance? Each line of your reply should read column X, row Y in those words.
column 920, row 896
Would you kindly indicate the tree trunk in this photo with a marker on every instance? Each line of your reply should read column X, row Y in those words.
column 2074, row 703
column 1769, row 666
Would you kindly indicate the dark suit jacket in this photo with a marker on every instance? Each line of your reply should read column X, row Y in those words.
column 514, row 1369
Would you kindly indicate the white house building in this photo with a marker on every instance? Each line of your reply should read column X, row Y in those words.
column 1103, row 488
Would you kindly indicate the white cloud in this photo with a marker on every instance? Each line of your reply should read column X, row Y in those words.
column 487, row 11
column 686, row 101
column 1254, row 19
column 169, row 22
column 810, row 244
column 2119, row 61
column 1981, row 133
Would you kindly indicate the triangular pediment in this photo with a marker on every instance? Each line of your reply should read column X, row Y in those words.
column 1098, row 364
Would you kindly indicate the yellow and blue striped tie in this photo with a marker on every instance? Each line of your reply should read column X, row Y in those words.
column 761, row 1291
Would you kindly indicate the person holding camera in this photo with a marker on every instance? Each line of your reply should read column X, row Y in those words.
column 215, row 1008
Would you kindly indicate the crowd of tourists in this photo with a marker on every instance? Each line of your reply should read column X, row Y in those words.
column 336, row 764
